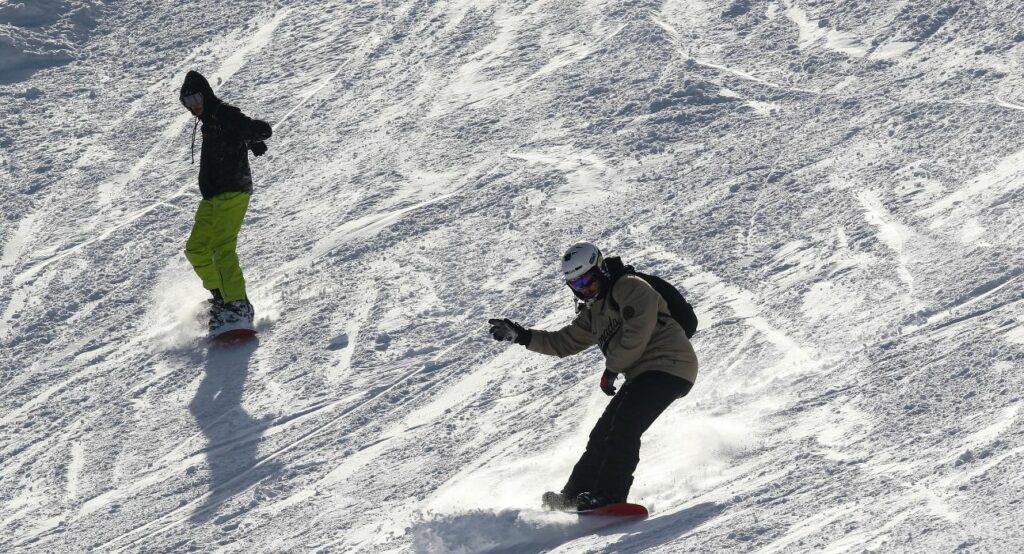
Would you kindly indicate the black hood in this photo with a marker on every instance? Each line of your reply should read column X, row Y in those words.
column 195, row 82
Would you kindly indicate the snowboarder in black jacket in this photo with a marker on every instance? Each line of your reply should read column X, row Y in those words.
column 225, row 182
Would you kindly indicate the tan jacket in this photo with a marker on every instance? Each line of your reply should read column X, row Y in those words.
column 640, row 336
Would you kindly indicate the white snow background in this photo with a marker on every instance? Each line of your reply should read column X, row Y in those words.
column 836, row 185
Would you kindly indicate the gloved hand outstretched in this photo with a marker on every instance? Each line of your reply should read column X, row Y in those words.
column 258, row 148
column 608, row 382
column 508, row 330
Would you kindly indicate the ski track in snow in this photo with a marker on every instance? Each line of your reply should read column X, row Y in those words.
column 892, row 234
column 835, row 187
column 27, row 275
column 109, row 190
column 724, row 68
column 1009, row 104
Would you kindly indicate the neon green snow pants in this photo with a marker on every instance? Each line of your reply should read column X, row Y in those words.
column 211, row 245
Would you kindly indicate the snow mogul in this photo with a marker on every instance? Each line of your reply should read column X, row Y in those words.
column 225, row 182
column 642, row 325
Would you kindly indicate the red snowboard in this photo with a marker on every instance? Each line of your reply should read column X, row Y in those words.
column 234, row 336
column 622, row 509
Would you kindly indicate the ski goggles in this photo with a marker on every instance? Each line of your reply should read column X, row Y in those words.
column 582, row 282
column 192, row 101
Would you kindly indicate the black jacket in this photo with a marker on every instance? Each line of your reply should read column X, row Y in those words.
column 227, row 136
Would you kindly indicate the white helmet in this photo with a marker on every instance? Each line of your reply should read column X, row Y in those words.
column 581, row 258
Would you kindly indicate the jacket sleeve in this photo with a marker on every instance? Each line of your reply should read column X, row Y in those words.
column 571, row 339
column 638, row 307
column 250, row 129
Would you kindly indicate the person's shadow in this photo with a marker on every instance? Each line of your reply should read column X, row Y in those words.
column 665, row 529
column 232, row 434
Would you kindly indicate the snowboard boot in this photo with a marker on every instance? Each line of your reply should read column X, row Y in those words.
column 227, row 316
column 557, row 501
column 212, row 308
column 242, row 308
column 591, row 501
column 222, row 318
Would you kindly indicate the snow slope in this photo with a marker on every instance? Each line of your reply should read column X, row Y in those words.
column 836, row 185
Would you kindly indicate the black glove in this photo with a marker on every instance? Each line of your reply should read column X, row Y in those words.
column 608, row 382
column 508, row 330
column 258, row 148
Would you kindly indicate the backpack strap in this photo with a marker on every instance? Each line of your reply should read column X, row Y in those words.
column 616, row 270
column 628, row 270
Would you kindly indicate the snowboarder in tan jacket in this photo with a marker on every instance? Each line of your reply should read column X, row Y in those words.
column 631, row 324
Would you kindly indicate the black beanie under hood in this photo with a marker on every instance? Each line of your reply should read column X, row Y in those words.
column 195, row 82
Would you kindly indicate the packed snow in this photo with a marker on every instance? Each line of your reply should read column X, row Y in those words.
column 836, row 186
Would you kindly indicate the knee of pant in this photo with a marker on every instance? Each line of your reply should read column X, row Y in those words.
column 224, row 248
column 602, row 428
column 623, row 439
column 598, row 436
column 193, row 252
column 226, row 256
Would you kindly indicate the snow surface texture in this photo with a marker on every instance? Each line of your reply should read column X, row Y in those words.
column 837, row 186
column 40, row 34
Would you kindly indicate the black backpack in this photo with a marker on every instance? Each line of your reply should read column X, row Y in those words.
column 680, row 309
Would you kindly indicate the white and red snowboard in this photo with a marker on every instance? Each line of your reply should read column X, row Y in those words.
column 233, row 333
column 621, row 509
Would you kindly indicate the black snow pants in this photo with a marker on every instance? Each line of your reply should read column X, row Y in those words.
column 613, row 451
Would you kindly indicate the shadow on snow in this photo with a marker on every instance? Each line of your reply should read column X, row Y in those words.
column 525, row 531
column 232, row 434
column 665, row 529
